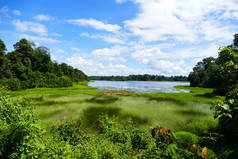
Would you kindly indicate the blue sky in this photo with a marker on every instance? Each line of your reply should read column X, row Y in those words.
column 122, row 37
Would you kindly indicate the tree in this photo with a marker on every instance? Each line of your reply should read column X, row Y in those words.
column 24, row 46
column 227, row 114
column 220, row 73
column 32, row 67
column 200, row 75
column 235, row 41
column 2, row 48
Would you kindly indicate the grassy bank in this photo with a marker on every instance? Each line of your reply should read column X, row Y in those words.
column 174, row 110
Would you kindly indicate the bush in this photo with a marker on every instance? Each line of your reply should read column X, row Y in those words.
column 141, row 140
column 18, row 127
column 68, row 131
column 64, row 81
column 202, row 127
column 186, row 139
column 92, row 115
column 11, row 84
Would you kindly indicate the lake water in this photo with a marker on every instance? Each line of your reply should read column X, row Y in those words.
column 139, row 86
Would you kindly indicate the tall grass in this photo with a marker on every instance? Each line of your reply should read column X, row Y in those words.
column 173, row 110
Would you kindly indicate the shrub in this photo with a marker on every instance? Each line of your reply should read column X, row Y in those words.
column 11, row 84
column 91, row 115
column 141, row 139
column 65, row 81
column 186, row 139
column 202, row 127
column 162, row 135
column 17, row 127
column 68, row 131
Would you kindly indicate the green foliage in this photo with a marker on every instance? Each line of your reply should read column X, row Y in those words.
column 17, row 128
column 186, row 139
column 91, row 115
column 227, row 114
column 202, row 127
column 33, row 68
column 220, row 73
column 2, row 48
column 141, row 140
column 11, row 84
column 68, row 131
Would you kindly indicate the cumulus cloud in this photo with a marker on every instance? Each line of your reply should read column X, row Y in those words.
column 91, row 67
column 107, row 38
column 26, row 26
column 111, row 54
column 173, row 61
column 182, row 20
column 96, row 24
column 42, row 17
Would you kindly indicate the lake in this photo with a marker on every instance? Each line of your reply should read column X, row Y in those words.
column 139, row 86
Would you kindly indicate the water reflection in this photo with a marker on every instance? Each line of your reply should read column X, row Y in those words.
column 139, row 86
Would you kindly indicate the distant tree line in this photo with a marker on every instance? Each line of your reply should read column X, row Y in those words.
column 144, row 77
column 220, row 73
column 28, row 66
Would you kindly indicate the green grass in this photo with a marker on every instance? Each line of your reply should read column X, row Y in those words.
column 173, row 110
column 197, row 94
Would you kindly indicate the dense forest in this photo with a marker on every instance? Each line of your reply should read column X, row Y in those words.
column 28, row 66
column 221, row 72
column 144, row 77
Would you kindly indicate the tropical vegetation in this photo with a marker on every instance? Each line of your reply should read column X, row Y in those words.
column 28, row 66
column 221, row 72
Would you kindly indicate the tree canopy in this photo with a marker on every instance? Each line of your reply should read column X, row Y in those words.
column 220, row 73
column 28, row 66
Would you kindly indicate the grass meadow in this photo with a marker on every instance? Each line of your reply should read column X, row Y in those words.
column 177, row 111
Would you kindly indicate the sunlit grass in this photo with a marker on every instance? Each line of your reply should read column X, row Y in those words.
column 173, row 110
column 197, row 94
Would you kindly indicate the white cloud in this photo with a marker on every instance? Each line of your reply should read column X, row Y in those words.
column 181, row 20
column 76, row 50
column 42, row 17
column 121, row 1
column 4, row 9
column 172, row 68
column 91, row 67
column 55, row 34
column 212, row 30
column 107, row 38
column 172, row 62
column 96, row 24
column 26, row 26
column 40, row 39
column 58, row 50
column 153, row 57
column 111, row 54
column 16, row 12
